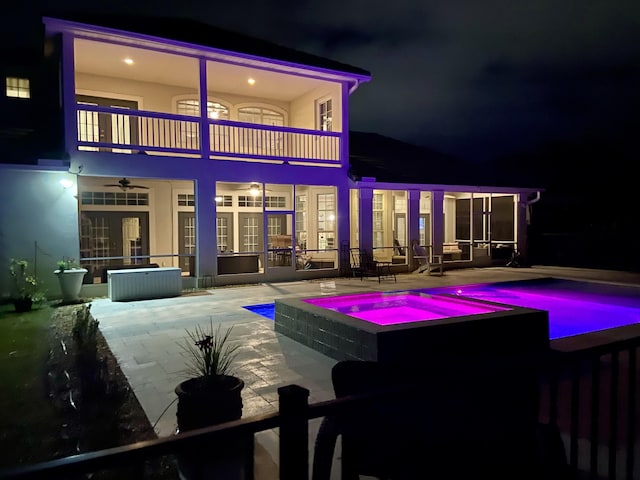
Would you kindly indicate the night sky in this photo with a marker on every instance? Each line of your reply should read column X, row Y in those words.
column 483, row 80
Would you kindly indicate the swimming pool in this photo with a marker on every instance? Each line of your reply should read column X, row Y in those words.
column 494, row 316
column 574, row 307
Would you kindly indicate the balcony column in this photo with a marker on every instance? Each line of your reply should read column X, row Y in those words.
column 206, row 240
column 437, row 221
column 344, row 121
column 365, row 217
column 205, row 146
column 69, row 95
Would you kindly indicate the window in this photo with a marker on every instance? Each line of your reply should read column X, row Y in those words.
column 251, row 234
column 222, row 233
column 301, row 221
column 224, row 201
column 249, row 201
column 378, row 220
column 325, row 115
column 326, row 221
column 215, row 110
column 275, row 202
column 262, row 116
column 18, row 87
column 114, row 198
column 186, row 200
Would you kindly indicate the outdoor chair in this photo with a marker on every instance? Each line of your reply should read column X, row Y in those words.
column 427, row 263
column 363, row 265
column 459, row 418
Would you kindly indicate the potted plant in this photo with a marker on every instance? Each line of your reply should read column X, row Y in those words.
column 25, row 286
column 210, row 395
column 70, row 275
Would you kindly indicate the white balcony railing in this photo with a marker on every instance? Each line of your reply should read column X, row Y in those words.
column 135, row 131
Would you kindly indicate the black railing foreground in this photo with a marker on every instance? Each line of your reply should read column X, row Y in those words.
column 589, row 395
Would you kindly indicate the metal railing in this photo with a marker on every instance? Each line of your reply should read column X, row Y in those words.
column 137, row 131
column 563, row 399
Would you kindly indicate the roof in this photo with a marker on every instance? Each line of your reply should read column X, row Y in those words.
column 394, row 161
column 199, row 33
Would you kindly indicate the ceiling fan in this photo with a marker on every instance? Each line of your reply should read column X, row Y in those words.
column 252, row 188
column 125, row 184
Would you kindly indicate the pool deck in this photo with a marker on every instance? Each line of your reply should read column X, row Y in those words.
column 144, row 336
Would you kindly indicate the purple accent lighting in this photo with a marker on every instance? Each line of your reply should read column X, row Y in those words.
column 574, row 308
column 403, row 307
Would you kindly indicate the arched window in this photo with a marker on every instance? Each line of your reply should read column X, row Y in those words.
column 215, row 110
column 263, row 116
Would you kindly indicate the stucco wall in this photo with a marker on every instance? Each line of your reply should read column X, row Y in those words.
column 38, row 223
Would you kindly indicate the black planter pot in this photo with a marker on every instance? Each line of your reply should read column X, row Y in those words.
column 22, row 304
column 201, row 405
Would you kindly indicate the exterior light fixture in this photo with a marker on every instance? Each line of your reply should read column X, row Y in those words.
column 251, row 81
column 128, row 61
column 218, row 199
column 66, row 183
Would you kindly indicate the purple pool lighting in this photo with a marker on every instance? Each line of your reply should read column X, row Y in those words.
column 574, row 308
column 402, row 307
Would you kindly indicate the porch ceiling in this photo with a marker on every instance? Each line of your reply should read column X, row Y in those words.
column 168, row 69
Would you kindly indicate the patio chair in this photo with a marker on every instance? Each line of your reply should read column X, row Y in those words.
column 457, row 419
column 363, row 265
column 426, row 263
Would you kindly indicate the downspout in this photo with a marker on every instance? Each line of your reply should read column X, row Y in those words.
column 537, row 198
column 354, row 86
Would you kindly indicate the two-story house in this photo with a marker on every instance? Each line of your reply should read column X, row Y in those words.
column 170, row 142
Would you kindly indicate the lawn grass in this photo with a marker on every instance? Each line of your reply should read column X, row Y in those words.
column 28, row 426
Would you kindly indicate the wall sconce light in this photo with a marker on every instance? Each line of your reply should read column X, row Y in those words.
column 218, row 199
column 66, row 183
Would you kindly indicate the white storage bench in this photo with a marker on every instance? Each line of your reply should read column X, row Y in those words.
column 144, row 283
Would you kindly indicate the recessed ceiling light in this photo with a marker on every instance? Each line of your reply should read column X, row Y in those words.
column 251, row 81
column 128, row 61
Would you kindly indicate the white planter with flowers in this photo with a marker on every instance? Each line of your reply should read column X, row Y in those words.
column 70, row 276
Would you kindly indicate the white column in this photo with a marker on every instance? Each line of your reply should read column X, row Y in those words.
column 204, row 115
column 365, row 218
column 437, row 221
column 206, row 241
column 69, row 95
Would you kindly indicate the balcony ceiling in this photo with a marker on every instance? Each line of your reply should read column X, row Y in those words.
column 168, row 69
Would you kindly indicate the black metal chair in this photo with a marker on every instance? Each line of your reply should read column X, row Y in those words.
column 363, row 265
column 459, row 418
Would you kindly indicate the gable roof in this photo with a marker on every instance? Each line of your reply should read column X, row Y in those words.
column 199, row 33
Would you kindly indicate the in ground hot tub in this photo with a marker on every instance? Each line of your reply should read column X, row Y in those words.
column 407, row 326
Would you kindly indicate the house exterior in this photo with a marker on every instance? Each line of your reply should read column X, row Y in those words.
column 172, row 143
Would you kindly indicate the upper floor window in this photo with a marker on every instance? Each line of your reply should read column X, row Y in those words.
column 18, row 87
column 325, row 115
column 262, row 116
column 215, row 110
column 186, row 200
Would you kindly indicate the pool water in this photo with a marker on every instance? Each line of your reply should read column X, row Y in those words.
column 402, row 307
column 574, row 307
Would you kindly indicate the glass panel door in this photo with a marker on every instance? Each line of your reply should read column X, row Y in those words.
column 279, row 239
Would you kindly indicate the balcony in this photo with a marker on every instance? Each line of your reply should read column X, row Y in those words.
column 148, row 101
column 156, row 133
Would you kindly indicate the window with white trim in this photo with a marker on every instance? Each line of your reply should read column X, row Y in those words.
column 215, row 110
column 378, row 220
column 186, row 200
column 326, row 220
column 18, row 87
column 325, row 115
